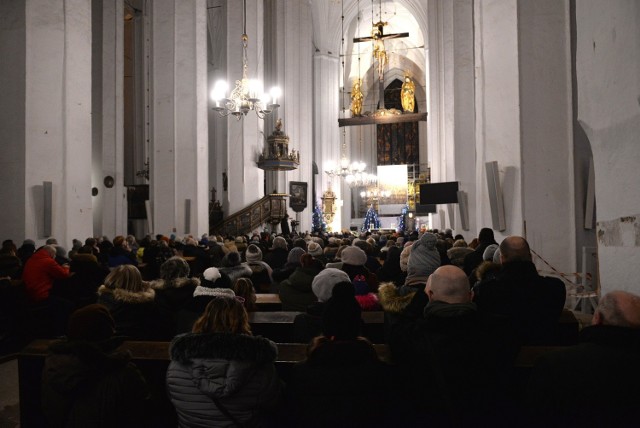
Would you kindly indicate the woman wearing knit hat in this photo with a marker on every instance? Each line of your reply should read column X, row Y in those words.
column 308, row 325
column 261, row 275
column 342, row 371
column 423, row 261
column 315, row 250
column 82, row 372
column 293, row 262
column 353, row 263
column 277, row 255
column 212, row 284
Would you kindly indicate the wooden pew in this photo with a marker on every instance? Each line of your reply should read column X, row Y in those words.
column 268, row 302
column 151, row 358
column 278, row 325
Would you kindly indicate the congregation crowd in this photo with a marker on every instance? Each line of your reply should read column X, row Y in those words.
column 456, row 314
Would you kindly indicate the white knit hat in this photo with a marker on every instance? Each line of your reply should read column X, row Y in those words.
column 324, row 282
column 314, row 249
column 353, row 256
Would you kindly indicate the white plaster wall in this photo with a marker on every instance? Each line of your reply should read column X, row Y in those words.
column 608, row 73
column 58, row 116
column 546, row 136
column 12, row 119
column 497, row 112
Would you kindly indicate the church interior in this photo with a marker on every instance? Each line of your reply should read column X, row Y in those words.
column 215, row 117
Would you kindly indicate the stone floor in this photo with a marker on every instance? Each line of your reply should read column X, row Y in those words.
column 9, row 399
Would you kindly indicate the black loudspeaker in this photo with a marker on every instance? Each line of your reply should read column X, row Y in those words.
column 47, row 209
column 463, row 205
column 187, row 216
column 495, row 196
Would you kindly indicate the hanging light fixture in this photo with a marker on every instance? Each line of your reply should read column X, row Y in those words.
column 353, row 173
column 248, row 93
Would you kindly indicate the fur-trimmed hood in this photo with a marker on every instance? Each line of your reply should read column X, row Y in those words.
column 125, row 296
column 235, row 272
column 392, row 300
column 161, row 284
column 226, row 346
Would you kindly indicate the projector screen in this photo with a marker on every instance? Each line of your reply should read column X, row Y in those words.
column 439, row 193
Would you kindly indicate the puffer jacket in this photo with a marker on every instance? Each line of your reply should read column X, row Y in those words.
column 237, row 369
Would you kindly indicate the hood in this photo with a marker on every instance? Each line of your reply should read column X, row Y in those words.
column 391, row 300
column 221, row 363
column 126, row 296
column 161, row 284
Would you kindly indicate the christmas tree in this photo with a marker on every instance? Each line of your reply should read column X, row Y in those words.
column 402, row 220
column 371, row 220
column 317, row 221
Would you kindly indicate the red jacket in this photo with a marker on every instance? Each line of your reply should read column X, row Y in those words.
column 38, row 275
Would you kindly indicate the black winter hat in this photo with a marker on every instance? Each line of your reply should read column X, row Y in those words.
column 342, row 315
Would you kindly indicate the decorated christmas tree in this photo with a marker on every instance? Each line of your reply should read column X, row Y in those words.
column 317, row 221
column 371, row 220
column 402, row 220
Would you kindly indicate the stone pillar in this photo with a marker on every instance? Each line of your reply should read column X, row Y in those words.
column 245, row 138
column 46, row 122
column 111, row 203
column 608, row 66
column 179, row 130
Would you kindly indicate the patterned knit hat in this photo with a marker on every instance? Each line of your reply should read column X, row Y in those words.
column 253, row 253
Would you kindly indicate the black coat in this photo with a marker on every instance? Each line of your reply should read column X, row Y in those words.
column 455, row 364
column 533, row 302
column 276, row 258
column 136, row 314
column 83, row 385
column 341, row 384
column 592, row 384
column 473, row 259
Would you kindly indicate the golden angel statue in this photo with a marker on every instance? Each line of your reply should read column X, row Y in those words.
column 356, row 99
column 407, row 95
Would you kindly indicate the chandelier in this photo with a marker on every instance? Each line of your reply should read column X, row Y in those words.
column 353, row 173
column 248, row 94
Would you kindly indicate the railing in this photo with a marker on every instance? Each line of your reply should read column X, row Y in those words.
column 270, row 209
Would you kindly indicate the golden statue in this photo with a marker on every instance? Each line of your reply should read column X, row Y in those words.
column 408, row 95
column 380, row 54
column 356, row 99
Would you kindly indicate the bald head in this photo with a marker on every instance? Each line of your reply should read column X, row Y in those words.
column 514, row 249
column 449, row 284
column 618, row 308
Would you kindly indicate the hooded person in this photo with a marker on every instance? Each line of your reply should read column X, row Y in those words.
column 309, row 324
column 339, row 356
column 293, row 262
column 174, row 289
column 233, row 267
column 213, row 283
column 390, row 270
column 295, row 292
column 277, row 255
column 261, row 271
column 423, row 261
column 82, row 372
column 353, row 263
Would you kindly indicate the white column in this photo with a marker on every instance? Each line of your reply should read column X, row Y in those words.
column 49, row 105
column 179, row 164
column 497, row 103
column 111, row 203
column 608, row 66
column 546, row 131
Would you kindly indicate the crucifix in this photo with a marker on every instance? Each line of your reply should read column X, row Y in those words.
column 379, row 53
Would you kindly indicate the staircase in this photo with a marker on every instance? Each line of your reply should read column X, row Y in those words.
column 270, row 209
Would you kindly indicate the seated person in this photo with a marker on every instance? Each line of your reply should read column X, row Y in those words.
column 342, row 383
column 533, row 302
column 86, row 382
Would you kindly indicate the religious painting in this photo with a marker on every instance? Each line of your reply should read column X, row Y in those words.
column 397, row 143
column 297, row 195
